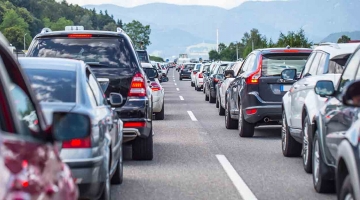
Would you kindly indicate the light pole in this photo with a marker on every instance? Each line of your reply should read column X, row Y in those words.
column 24, row 42
column 237, row 51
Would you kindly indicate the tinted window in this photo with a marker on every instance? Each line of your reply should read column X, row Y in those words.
column 336, row 66
column 143, row 56
column 249, row 62
column 274, row 64
column 350, row 70
column 53, row 85
column 107, row 52
column 150, row 73
column 98, row 94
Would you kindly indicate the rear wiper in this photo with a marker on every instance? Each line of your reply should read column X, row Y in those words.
column 96, row 64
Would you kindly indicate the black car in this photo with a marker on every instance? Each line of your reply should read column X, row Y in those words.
column 254, row 97
column 185, row 72
column 335, row 148
column 115, row 63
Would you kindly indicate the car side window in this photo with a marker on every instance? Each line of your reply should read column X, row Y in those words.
column 323, row 62
column 308, row 64
column 99, row 96
column 315, row 64
column 91, row 95
column 249, row 63
column 349, row 73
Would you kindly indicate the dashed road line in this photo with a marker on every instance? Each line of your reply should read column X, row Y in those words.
column 177, row 89
column 240, row 185
column 174, row 83
column 181, row 98
column 192, row 116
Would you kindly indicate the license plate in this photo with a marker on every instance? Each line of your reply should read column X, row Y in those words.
column 284, row 88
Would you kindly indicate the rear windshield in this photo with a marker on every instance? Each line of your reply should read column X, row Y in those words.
column 274, row 64
column 143, row 56
column 53, row 85
column 107, row 52
column 189, row 66
column 150, row 73
column 197, row 67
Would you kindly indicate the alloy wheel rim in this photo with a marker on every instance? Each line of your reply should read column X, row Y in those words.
column 316, row 162
column 283, row 133
column 306, row 144
column 240, row 119
column 349, row 196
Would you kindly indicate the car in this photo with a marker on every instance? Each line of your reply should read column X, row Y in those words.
column 221, row 92
column 194, row 73
column 158, row 92
column 220, row 76
column 30, row 163
column 199, row 78
column 185, row 72
column 212, row 79
column 330, row 131
column 254, row 98
column 206, row 76
column 300, row 103
column 64, row 85
column 124, row 76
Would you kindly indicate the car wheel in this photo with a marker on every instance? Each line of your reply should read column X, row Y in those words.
column 105, row 195
column 217, row 102
column 246, row 129
column 290, row 147
column 118, row 175
column 206, row 97
column 198, row 89
column 192, row 84
column 142, row 148
column 180, row 78
column 229, row 123
column 160, row 115
column 322, row 184
column 307, row 146
column 211, row 99
column 221, row 109
column 347, row 191
column 204, row 89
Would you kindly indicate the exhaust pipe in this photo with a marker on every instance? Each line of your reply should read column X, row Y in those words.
column 266, row 119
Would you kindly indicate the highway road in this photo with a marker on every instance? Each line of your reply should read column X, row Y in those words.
column 196, row 157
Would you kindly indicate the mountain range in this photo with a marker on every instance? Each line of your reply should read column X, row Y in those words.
column 175, row 27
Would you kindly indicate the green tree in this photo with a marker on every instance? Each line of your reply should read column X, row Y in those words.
column 61, row 23
column 294, row 39
column 156, row 59
column 344, row 39
column 138, row 33
column 214, row 55
column 86, row 22
column 253, row 39
column 221, row 47
column 119, row 23
column 11, row 19
column 110, row 27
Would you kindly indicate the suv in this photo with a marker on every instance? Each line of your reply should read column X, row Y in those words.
column 113, row 60
column 300, row 103
column 255, row 96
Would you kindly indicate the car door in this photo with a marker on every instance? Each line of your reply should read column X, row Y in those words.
column 341, row 117
column 299, row 89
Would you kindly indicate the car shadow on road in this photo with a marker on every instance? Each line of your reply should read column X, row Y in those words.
column 268, row 132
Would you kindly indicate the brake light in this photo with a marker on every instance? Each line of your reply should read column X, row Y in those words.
column 155, row 86
column 254, row 77
column 201, row 75
column 137, row 88
column 79, row 36
column 77, row 143
column 216, row 80
column 134, row 124
column 194, row 72
column 251, row 111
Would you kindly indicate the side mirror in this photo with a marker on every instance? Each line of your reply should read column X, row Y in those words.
column 351, row 95
column 288, row 74
column 67, row 126
column 115, row 99
column 324, row 88
column 229, row 73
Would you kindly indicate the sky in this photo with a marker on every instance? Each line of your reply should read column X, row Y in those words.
column 131, row 3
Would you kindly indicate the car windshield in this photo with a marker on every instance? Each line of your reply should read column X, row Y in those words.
column 274, row 64
column 189, row 66
column 53, row 85
column 143, row 56
column 107, row 52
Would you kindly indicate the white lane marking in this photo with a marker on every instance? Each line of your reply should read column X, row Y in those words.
column 174, row 83
column 192, row 116
column 181, row 98
column 174, row 80
column 177, row 89
column 240, row 185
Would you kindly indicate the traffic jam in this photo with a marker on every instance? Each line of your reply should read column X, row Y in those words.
column 81, row 99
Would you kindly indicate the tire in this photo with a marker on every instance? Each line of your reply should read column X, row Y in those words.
column 221, row 109
column 105, row 195
column 211, row 99
column 321, row 183
column 246, row 129
column 142, row 148
column 347, row 190
column 118, row 175
column 206, row 97
column 229, row 123
column 307, row 146
column 192, row 84
column 180, row 78
column 290, row 147
column 217, row 102
column 198, row 89
column 204, row 89
column 160, row 115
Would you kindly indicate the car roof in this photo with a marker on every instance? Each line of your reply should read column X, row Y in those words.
column 92, row 32
column 146, row 65
column 337, row 49
column 53, row 63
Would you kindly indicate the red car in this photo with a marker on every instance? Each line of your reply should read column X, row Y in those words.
column 30, row 166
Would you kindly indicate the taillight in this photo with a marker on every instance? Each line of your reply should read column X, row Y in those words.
column 77, row 143
column 155, row 86
column 137, row 88
column 254, row 77
column 200, row 75
column 79, row 36
column 216, row 80
column 194, row 72
column 251, row 111
column 133, row 124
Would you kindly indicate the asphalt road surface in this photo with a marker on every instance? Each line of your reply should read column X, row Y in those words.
column 196, row 157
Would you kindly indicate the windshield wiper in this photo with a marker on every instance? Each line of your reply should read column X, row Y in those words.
column 96, row 64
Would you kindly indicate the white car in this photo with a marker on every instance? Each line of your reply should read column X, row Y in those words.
column 194, row 72
column 199, row 83
column 221, row 92
column 158, row 92
column 301, row 104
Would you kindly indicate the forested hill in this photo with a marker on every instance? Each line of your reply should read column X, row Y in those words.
column 20, row 17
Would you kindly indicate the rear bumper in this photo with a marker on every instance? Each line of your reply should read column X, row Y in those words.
column 183, row 75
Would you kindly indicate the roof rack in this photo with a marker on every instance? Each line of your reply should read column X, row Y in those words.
column 331, row 44
column 45, row 30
